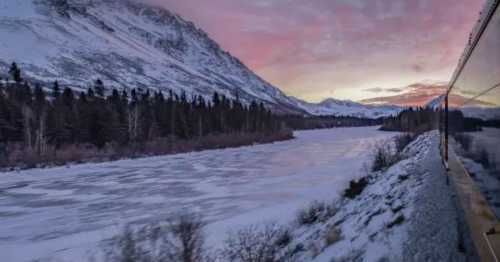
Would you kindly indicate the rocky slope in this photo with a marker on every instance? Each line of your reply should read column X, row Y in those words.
column 129, row 44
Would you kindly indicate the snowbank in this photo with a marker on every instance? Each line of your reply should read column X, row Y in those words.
column 406, row 213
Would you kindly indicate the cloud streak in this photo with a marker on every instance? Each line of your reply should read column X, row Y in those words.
column 313, row 49
column 417, row 94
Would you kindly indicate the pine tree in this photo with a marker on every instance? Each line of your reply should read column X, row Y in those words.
column 15, row 72
column 99, row 88
column 56, row 91
column 29, row 118
column 40, row 104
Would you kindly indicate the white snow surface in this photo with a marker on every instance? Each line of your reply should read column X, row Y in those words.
column 414, row 189
column 64, row 213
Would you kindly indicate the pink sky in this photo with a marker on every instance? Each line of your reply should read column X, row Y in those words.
column 347, row 49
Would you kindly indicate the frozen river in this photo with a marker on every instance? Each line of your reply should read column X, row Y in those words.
column 60, row 212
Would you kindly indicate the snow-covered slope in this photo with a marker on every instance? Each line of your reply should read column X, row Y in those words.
column 127, row 44
column 406, row 213
column 347, row 108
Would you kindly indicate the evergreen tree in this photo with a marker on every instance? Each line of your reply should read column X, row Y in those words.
column 15, row 72
column 56, row 91
column 30, row 118
column 99, row 88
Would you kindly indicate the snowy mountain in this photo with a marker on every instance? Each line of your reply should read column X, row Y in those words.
column 336, row 107
column 129, row 44
column 436, row 102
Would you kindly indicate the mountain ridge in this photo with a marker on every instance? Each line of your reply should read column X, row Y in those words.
column 127, row 45
column 336, row 107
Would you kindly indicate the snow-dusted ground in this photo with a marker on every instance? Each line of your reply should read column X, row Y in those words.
column 407, row 213
column 65, row 212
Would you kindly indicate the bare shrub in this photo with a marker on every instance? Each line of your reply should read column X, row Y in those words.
column 387, row 154
column 483, row 158
column 315, row 248
column 356, row 188
column 315, row 212
column 127, row 248
column 332, row 236
column 18, row 155
column 187, row 239
column 254, row 244
column 402, row 141
column 180, row 240
column 383, row 158
column 464, row 140
column 284, row 238
column 398, row 221
column 494, row 171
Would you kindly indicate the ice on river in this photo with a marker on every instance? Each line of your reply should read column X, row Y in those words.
column 64, row 212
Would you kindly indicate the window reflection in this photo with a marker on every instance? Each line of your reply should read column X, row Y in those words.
column 474, row 113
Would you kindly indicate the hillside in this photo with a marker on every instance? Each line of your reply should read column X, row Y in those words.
column 128, row 44
column 337, row 107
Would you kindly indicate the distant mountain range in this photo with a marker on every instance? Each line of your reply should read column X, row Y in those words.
column 129, row 44
column 347, row 108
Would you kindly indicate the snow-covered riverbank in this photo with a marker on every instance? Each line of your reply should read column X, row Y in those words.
column 64, row 212
column 407, row 213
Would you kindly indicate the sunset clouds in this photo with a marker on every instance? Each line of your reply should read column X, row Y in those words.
column 339, row 48
column 412, row 95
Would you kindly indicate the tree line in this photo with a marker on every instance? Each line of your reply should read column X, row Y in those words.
column 420, row 120
column 55, row 117
column 416, row 120
column 298, row 122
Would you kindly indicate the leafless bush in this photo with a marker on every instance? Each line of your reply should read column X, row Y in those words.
column 495, row 172
column 332, row 236
column 398, row 221
column 187, row 240
column 180, row 240
column 402, row 141
column 128, row 248
column 18, row 155
column 464, row 140
column 383, row 158
column 315, row 212
column 481, row 156
column 387, row 155
column 356, row 188
column 284, row 238
column 255, row 244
